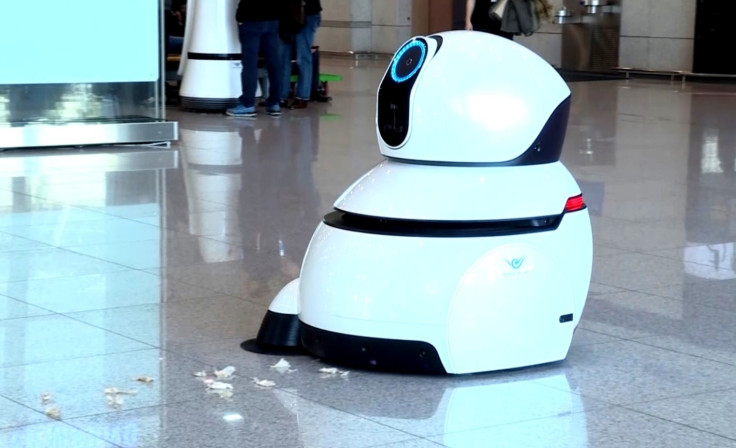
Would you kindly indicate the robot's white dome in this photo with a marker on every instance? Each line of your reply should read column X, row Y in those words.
column 471, row 97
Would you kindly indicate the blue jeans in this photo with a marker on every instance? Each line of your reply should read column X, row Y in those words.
column 255, row 36
column 303, row 43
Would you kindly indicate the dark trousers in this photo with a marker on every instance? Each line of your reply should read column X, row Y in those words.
column 258, row 36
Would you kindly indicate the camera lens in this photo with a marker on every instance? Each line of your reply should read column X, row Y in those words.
column 408, row 61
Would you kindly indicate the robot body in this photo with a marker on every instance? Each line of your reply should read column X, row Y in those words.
column 469, row 248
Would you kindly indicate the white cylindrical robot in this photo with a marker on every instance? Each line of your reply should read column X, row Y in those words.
column 210, row 66
column 469, row 248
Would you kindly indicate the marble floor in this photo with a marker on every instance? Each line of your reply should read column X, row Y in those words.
column 153, row 262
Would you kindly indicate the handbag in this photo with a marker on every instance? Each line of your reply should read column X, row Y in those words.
column 544, row 10
column 496, row 10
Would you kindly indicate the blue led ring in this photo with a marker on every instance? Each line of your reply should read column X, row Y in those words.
column 416, row 43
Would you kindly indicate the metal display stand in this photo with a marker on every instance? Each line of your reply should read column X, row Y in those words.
column 590, row 34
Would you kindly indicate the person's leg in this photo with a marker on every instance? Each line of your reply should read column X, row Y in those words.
column 249, row 44
column 304, row 41
column 272, row 54
column 287, row 48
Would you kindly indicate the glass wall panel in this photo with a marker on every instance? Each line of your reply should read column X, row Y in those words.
column 82, row 72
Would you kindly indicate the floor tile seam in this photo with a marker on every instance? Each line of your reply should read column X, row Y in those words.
column 19, row 403
column 413, row 439
column 250, row 302
column 203, row 196
column 627, row 289
column 128, row 407
column 49, row 314
column 649, row 118
column 216, row 295
column 681, row 424
column 616, row 220
column 658, row 296
column 217, row 240
column 648, row 252
column 113, row 411
column 642, row 341
column 96, row 209
column 75, row 358
column 608, row 293
column 660, row 221
column 605, row 246
column 214, row 292
column 176, row 351
column 67, row 250
column 633, row 202
column 26, row 303
column 122, row 266
column 149, row 346
column 222, row 238
column 73, row 247
column 678, row 397
column 45, row 245
column 184, row 282
column 91, row 435
column 638, row 340
column 715, row 188
column 46, row 201
column 62, row 422
column 87, row 274
column 700, row 305
column 617, row 338
column 63, row 206
column 639, row 291
column 70, row 248
column 606, row 255
column 103, row 217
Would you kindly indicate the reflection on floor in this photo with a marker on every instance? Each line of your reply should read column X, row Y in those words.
column 159, row 262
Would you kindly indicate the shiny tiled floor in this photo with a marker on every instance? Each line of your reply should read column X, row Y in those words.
column 159, row 262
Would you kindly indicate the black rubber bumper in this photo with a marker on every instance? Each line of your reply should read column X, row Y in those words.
column 371, row 353
column 279, row 330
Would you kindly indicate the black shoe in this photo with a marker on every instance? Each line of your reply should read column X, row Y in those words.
column 298, row 104
column 320, row 98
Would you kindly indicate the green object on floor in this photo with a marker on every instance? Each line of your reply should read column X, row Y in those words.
column 329, row 117
column 323, row 77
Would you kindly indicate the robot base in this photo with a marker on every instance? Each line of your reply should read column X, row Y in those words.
column 477, row 303
column 202, row 87
column 371, row 353
column 207, row 104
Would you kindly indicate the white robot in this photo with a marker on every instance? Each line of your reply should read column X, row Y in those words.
column 210, row 66
column 469, row 248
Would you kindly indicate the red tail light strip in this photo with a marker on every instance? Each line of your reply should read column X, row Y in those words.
column 575, row 203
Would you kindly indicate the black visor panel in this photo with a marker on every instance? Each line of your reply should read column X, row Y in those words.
column 395, row 91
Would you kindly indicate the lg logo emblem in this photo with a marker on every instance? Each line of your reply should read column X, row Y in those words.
column 516, row 263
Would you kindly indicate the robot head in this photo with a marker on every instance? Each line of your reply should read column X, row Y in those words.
column 471, row 97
